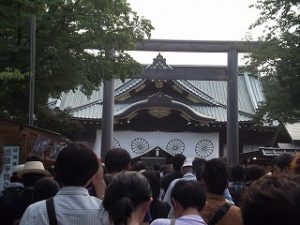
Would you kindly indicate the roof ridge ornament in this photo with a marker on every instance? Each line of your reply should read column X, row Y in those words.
column 159, row 63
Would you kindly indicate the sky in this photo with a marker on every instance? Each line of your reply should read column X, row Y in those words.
column 196, row 20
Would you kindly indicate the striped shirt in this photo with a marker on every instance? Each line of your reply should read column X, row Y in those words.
column 73, row 205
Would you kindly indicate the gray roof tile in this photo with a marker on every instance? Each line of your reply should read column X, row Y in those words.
column 215, row 92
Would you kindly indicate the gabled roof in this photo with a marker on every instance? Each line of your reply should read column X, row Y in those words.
column 214, row 93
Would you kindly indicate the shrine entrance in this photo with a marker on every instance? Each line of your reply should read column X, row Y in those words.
column 229, row 74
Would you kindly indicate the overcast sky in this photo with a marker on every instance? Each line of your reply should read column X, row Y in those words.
column 196, row 20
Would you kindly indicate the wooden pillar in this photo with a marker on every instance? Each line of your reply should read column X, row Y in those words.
column 232, row 109
column 107, row 116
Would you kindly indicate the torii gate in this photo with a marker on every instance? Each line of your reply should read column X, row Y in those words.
column 232, row 48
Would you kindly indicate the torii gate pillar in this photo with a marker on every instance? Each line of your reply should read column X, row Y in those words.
column 107, row 116
column 232, row 109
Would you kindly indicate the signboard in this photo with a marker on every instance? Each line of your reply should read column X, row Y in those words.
column 11, row 159
column 40, row 146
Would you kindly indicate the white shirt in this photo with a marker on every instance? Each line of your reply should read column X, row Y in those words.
column 73, row 206
column 183, row 220
column 104, row 216
column 187, row 176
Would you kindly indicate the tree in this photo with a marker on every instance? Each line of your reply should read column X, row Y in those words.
column 278, row 59
column 73, row 43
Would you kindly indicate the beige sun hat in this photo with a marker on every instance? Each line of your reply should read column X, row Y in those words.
column 34, row 167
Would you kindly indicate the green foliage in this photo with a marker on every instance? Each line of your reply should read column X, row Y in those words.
column 277, row 106
column 10, row 74
column 278, row 59
column 58, row 121
column 73, row 44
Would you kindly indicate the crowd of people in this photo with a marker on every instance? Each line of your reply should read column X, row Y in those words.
column 83, row 190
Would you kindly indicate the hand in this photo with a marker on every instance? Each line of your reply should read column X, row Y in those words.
column 99, row 174
column 98, row 181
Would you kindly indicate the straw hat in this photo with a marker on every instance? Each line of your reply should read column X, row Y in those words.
column 34, row 167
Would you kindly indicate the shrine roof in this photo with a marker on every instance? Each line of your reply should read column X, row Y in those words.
column 211, row 92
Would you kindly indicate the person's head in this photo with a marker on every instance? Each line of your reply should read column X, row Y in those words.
column 32, row 172
column 281, row 163
column 187, row 166
column 237, row 173
column 272, row 200
column 138, row 166
column 76, row 165
column 295, row 164
column 117, row 160
column 254, row 172
column 186, row 195
column 33, row 158
column 45, row 188
column 128, row 192
column 156, row 167
column 178, row 161
column 198, row 167
column 153, row 179
column 215, row 176
column 108, row 178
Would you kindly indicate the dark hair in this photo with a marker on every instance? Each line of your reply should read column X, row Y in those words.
column 272, row 200
column 108, row 178
column 198, row 167
column 237, row 173
column 125, row 192
column 153, row 179
column 254, row 172
column 156, row 167
column 14, row 178
column 283, row 161
column 30, row 179
column 138, row 166
column 75, row 165
column 33, row 158
column 45, row 188
column 215, row 176
column 117, row 160
column 189, row 193
column 178, row 161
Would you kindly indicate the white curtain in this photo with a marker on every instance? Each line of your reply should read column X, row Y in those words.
column 203, row 145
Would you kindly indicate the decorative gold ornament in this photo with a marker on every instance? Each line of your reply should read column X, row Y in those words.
column 159, row 83
column 159, row 112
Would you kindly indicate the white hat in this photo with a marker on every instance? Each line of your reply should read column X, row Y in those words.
column 187, row 162
column 34, row 167
column 18, row 168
